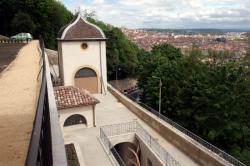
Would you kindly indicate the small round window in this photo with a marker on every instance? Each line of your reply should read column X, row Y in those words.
column 84, row 46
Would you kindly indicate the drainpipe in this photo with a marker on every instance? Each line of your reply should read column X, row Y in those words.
column 94, row 118
column 102, row 83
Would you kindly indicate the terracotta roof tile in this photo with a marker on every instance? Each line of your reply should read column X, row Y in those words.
column 69, row 97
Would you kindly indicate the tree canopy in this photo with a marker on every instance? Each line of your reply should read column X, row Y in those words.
column 210, row 99
column 37, row 17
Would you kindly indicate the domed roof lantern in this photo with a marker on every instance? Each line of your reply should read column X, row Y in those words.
column 81, row 29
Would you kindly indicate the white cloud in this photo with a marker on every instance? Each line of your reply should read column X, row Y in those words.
column 99, row 2
column 171, row 13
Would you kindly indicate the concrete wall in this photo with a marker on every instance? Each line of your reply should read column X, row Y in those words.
column 58, row 149
column 86, row 111
column 73, row 58
column 200, row 155
column 148, row 154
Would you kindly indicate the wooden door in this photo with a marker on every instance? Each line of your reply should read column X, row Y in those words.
column 86, row 78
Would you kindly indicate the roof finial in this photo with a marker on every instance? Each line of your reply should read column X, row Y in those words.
column 80, row 12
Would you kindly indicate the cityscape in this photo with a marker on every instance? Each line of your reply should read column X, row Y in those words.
column 229, row 41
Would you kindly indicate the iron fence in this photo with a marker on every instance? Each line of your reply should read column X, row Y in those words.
column 110, row 149
column 119, row 129
column 161, row 152
column 135, row 127
column 195, row 137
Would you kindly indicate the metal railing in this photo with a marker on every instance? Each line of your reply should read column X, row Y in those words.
column 119, row 129
column 135, row 127
column 110, row 149
column 46, row 145
column 14, row 40
column 195, row 137
column 161, row 152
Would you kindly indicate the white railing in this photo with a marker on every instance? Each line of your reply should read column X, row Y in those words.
column 135, row 127
column 118, row 161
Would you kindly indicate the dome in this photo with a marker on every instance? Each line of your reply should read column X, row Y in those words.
column 81, row 29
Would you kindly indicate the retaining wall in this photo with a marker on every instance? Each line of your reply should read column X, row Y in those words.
column 197, row 153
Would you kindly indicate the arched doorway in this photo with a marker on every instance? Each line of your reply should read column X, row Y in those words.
column 75, row 120
column 129, row 153
column 87, row 78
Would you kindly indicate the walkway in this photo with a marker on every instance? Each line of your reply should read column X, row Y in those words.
column 110, row 111
column 8, row 52
column 19, row 90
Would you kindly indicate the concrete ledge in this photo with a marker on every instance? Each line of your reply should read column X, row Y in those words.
column 196, row 151
column 147, row 153
column 58, row 149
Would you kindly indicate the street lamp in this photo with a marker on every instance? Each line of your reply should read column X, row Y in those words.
column 160, row 85
column 116, row 77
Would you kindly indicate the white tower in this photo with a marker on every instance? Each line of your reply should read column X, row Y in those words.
column 82, row 56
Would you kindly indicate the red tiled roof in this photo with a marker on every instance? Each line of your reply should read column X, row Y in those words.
column 69, row 97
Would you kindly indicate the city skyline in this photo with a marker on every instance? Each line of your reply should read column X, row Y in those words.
column 169, row 14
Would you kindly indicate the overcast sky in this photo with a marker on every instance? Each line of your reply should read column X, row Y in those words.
column 168, row 13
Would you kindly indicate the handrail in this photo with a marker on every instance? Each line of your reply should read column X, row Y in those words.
column 111, row 150
column 37, row 124
column 193, row 136
column 46, row 145
column 156, row 147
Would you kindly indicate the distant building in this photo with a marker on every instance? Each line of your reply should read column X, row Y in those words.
column 82, row 56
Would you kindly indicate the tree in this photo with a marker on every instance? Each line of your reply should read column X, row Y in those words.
column 43, row 18
column 121, row 53
column 210, row 99
column 246, row 59
column 22, row 22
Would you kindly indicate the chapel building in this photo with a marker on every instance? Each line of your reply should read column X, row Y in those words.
column 82, row 56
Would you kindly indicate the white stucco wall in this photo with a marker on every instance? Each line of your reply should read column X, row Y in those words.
column 86, row 111
column 75, row 58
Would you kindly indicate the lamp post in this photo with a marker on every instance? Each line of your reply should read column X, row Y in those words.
column 160, row 85
column 116, row 77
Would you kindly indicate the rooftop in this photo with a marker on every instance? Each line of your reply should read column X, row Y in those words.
column 69, row 97
column 19, row 89
column 80, row 29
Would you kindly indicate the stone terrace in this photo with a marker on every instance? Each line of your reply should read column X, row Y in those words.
column 110, row 111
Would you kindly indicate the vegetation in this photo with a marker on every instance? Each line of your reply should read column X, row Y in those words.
column 37, row 17
column 122, row 54
column 211, row 99
column 47, row 19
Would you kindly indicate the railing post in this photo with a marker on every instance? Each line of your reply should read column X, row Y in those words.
column 150, row 141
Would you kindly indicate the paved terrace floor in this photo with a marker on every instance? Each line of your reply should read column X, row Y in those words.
column 19, row 90
column 110, row 111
